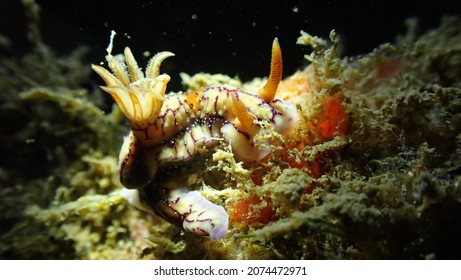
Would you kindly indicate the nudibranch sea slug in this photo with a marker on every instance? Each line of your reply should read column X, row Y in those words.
column 170, row 131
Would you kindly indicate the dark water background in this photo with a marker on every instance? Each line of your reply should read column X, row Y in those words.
column 229, row 37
